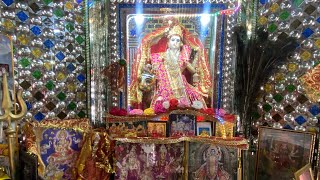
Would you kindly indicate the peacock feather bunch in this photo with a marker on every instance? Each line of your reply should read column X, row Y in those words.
column 257, row 59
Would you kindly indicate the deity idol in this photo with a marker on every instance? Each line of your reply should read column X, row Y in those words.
column 171, row 63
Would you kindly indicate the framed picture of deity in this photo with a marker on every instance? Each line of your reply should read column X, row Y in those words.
column 281, row 153
column 208, row 161
column 128, row 129
column 148, row 161
column 157, row 129
column 171, row 51
column 305, row 173
column 182, row 125
column 6, row 62
column 205, row 129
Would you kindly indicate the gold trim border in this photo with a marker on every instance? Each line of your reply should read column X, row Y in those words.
column 81, row 125
column 239, row 143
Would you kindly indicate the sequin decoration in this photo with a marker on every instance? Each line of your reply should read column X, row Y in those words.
column 60, row 56
column 23, row 39
column 7, row 2
column 39, row 116
column 36, row 30
column 314, row 110
column 48, row 44
column 22, row 16
column 42, row 66
column 307, row 32
column 47, row 2
column 68, row 6
column 299, row 19
column 8, row 25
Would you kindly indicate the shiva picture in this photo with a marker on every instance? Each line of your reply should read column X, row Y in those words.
column 128, row 129
column 171, row 62
column 211, row 162
column 204, row 129
column 282, row 152
column 182, row 125
column 157, row 129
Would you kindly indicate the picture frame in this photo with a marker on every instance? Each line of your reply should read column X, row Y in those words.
column 6, row 62
column 205, row 129
column 128, row 129
column 221, row 160
column 182, row 125
column 305, row 173
column 282, row 152
column 157, row 129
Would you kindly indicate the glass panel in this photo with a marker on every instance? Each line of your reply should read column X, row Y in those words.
column 158, row 72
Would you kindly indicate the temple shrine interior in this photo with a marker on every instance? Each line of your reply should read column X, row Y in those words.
column 159, row 89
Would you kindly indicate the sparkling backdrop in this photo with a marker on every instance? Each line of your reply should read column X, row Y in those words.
column 285, row 104
column 48, row 38
column 227, row 71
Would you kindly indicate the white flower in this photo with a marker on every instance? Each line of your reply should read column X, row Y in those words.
column 197, row 104
column 166, row 104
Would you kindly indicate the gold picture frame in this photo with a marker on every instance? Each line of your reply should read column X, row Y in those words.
column 282, row 152
column 305, row 173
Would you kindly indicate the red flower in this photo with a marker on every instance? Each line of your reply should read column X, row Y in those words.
column 200, row 118
column 173, row 104
column 118, row 112
column 229, row 117
column 122, row 112
column 209, row 111
column 114, row 111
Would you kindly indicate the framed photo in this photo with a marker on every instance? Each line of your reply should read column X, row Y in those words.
column 204, row 129
column 182, row 125
column 304, row 173
column 128, row 129
column 148, row 161
column 157, row 129
column 281, row 152
column 6, row 61
column 209, row 161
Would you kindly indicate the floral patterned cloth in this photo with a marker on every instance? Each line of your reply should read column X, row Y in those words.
column 311, row 83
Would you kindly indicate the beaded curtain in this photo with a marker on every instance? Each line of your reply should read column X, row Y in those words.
column 285, row 104
column 48, row 39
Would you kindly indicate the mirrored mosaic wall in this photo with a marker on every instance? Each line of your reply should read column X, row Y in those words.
column 285, row 104
column 48, row 39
